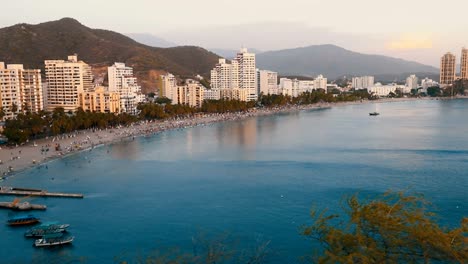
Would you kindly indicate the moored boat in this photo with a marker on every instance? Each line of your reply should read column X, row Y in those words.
column 43, row 232
column 46, row 229
column 23, row 220
column 51, row 225
column 374, row 114
column 53, row 240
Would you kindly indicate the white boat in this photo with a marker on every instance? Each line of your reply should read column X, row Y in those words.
column 53, row 240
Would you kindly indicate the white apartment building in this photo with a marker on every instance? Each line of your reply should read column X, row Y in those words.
column 267, row 82
column 320, row 83
column 426, row 83
column 66, row 79
column 212, row 94
column 239, row 74
column 306, row 86
column 288, row 87
column 362, row 82
column 382, row 90
column 225, row 75
column 122, row 81
column 10, row 97
column 412, row 82
column 21, row 89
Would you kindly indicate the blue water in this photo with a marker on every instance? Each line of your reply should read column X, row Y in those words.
column 255, row 179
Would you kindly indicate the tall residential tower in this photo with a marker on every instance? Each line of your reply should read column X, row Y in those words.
column 464, row 64
column 20, row 90
column 123, row 82
column 447, row 69
column 237, row 78
column 65, row 81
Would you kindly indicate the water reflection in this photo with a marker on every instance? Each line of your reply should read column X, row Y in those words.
column 125, row 150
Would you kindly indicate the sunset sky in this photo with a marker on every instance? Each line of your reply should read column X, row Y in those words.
column 414, row 30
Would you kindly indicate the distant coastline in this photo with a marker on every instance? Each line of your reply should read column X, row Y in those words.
column 39, row 152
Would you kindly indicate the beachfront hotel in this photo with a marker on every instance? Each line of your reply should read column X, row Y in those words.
column 267, row 82
column 240, row 74
column 100, row 100
column 412, row 82
column 447, row 69
column 20, row 90
column 192, row 94
column 464, row 64
column 65, row 81
column 362, row 82
column 123, row 82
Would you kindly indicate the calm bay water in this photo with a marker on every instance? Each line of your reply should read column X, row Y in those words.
column 255, row 179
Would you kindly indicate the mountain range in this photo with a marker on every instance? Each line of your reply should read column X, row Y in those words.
column 334, row 62
column 32, row 44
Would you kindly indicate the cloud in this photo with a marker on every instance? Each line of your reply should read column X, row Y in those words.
column 410, row 42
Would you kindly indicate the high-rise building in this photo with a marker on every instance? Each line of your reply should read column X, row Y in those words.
column 267, row 82
column 123, row 82
column 20, row 90
column 464, row 64
column 225, row 75
column 247, row 73
column 320, row 83
column 447, row 69
column 363, row 82
column 168, row 87
column 412, row 82
column 9, row 92
column 239, row 74
column 65, row 80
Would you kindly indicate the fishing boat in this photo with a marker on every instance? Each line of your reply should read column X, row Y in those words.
column 46, row 229
column 23, row 220
column 51, row 225
column 374, row 114
column 43, row 232
column 51, row 240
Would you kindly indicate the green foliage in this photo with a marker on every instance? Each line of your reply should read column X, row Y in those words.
column 434, row 91
column 226, row 106
column 31, row 126
column 2, row 113
column 163, row 100
column 394, row 228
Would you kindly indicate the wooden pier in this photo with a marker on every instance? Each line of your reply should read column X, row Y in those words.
column 38, row 193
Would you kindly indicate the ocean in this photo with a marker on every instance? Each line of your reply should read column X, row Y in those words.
column 246, row 183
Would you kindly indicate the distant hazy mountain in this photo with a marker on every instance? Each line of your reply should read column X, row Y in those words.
column 333, row 61
column 230, row 53
column 32, row 44
column 151, row 40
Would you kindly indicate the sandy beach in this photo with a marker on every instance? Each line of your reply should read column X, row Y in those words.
column 34, row 153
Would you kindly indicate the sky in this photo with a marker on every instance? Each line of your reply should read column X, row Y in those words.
column 418, row 30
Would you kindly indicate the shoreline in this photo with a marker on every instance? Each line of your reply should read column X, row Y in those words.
column 40, row 152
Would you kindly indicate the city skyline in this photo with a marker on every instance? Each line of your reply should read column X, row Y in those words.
column 216, row 24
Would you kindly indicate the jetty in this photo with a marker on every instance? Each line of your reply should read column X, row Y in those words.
column 4, row 190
